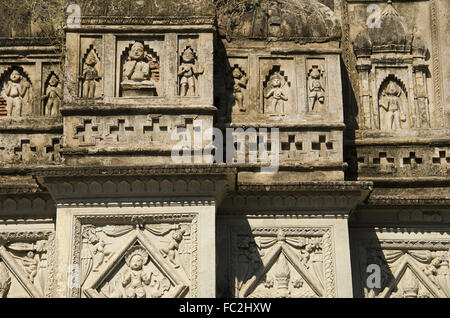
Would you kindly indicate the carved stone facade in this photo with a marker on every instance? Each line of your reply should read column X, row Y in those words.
column 115, row 181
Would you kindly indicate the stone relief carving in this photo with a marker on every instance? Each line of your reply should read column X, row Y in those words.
column 52, row 97
column 283, row 262
column 148, row 260
column 316, row 87
column 188, row 72
column 275, row 94
column 410, row 273
column 90, row 75
column 240, row 82
column 28, row 256
column 393, row 111
column 140, row 71
column 17, row 92
column 5, row 280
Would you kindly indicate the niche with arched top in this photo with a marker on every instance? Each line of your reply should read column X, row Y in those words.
column 393, row 112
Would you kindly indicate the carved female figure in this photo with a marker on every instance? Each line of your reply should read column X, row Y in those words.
column 53, row 96
column 90, row 76
column 277, row 93
column 134, row 278
column 188, row 72
column 239, row 83
column 16, row 90
column 391, row 113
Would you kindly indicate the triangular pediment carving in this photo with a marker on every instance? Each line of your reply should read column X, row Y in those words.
column 137, row 270
column 282, row 275
column 411, row 282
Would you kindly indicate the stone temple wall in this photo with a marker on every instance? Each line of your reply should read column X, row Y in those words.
column 314, row 134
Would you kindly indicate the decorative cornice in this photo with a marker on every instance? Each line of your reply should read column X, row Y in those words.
column 332, row 186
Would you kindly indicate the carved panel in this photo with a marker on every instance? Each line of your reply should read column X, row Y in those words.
column 410, row 268
column 26, row 264
column 282, row 262
column 135, row 256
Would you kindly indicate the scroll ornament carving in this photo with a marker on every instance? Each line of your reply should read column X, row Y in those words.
column 17, row 92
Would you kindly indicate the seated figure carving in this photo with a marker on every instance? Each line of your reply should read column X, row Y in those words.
column 137, row 71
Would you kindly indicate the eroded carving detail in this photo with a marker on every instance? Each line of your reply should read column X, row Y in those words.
column 188, row 73
column 53, row 97
column 139, row 72
column 90, row 75
column 316, row 93
column 240, row 81
column 276, row 94
column 17, row 92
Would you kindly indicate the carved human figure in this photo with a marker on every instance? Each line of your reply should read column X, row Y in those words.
column 316, row 90
column 30, row 262
column 98, row 249
column 391, row 113
column 137, row 69
column 188, row 72
column 171, row 250
column 239, row 84
column 90, row 76
column 53, row 95
column 277, row 93
column 16, row 90
column 135, row 277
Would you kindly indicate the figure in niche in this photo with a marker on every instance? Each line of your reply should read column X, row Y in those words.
column 316, row 90
column 277, row 93
column 53, row 95
column 171, row 250
column 90, row 76
column 391, row 112
column 188, row 73
column 239, row 84
column 135, row 277
column 17, row 91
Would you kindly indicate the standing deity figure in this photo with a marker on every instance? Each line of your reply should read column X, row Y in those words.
column 391, row 113
column 316, row 90
column 188, row 72
column 138, row 67
column 171, row 250
column 90, row 76
column 97, row 248
column 239, row 84
column 53, row 96
column 135, row 277
column 277, row 93
column 16, row 90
